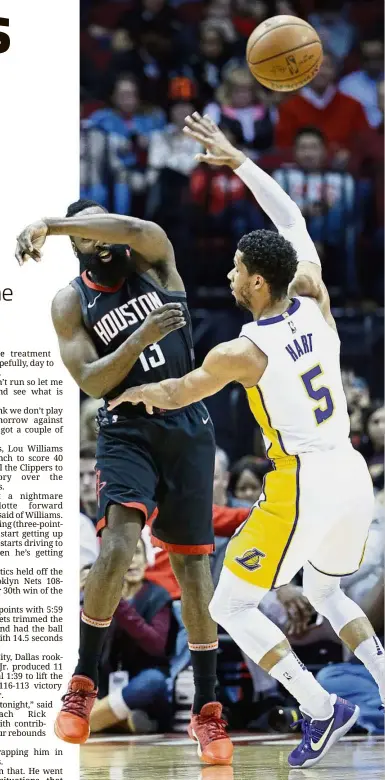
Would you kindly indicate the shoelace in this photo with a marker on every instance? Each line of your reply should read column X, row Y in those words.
column 308, row 730
column 215, row 727
column 77, row 702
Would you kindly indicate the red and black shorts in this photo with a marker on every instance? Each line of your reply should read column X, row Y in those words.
column 162, row 465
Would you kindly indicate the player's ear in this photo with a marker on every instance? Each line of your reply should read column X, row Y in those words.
column 74, row 249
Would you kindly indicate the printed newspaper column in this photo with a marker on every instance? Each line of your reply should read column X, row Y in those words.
column 39, row 402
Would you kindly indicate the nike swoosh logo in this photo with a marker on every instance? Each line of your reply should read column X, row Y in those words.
column 205, row 421
column 318, row 745
column 90, row 305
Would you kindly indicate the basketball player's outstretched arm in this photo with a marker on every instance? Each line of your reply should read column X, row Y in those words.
column 233, row 361
column 277, row 204
column 147, row 239
column 98, row 376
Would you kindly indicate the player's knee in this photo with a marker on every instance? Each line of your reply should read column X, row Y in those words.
column 114, row 555
column 232, row 596
column 193, row 571
column 222, row 604
column 319, row 588
column 217, row 608
column 118, row 545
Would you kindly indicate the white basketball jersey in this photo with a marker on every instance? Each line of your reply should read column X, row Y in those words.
column 299, row 402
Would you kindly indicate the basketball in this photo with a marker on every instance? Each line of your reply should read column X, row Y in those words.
column 284, row 53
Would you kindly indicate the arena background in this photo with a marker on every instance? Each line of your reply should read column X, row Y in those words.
column 145, row 64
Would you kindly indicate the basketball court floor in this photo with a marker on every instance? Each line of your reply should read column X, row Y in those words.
column 256, row 758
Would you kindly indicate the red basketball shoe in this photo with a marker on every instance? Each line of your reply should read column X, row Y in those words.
column 73, row 721
column 208, row 729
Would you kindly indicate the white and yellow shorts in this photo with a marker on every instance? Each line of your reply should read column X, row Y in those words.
column 315, row 507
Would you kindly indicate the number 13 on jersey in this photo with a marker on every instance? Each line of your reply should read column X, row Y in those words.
column 154, row 361
column 326, row 409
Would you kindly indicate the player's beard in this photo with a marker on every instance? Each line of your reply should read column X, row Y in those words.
column 111, row 272
column 243, row 298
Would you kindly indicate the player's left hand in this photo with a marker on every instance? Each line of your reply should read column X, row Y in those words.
column 30, row 242
column 132, row 396
column 299, row 609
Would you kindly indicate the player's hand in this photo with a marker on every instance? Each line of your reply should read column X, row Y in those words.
column 134, row 395
column 162, row 321
column 299, row 609
column 30, row 242
column 219, row 151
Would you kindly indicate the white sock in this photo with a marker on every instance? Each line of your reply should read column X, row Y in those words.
column 372, row 655
column 235, row 607
column 294, row 676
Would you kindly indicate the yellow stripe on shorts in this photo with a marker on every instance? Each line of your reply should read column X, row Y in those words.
column 256, row 552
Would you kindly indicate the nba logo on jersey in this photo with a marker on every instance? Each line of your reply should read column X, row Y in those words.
column 250, row 559
column 292, row 326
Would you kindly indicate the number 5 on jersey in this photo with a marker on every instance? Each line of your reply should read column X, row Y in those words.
column 325, row 410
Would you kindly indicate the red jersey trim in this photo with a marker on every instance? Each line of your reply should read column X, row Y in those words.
column 100, row 287
column 135, row 505
column 183, row 549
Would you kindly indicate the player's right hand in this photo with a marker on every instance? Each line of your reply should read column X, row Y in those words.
column 30, row 242
column 219, row 150
column 162, row 321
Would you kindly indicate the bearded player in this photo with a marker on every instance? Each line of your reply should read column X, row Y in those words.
column 122, row 322
column 316, row 506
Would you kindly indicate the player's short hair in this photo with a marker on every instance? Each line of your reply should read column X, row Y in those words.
column 269, row 254
column 258, row 467
column 310, row 130
column 80, row 205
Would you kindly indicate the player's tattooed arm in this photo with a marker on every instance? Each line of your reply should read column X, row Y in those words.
column 233, row 361
column 98, row 376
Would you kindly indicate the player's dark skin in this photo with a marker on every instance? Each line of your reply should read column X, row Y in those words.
column 91, row 231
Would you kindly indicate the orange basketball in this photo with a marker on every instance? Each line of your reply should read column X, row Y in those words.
column 284, row 53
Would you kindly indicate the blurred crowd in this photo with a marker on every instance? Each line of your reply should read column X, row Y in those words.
column 145, row 64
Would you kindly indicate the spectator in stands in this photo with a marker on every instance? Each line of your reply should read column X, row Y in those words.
column 117, row 140
column 88, row 481
column 375, row 431
column 136, row 644
column 333, row 26
column 328, row 199
column 246, row 478
column 368, row 161
column 89, row 547
column 170, row 162
column 221, row 209
column 248, row 14
column 88, row 412
column 128, row 117
column 208, row 62
column 218, row 12
column 239, row 104
column 362, row 84
column 339, row 117
column 221, row 478
column 150, row 16
column 358, row 400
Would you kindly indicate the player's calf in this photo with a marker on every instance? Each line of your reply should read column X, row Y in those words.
column 207, row 727
column 101, row 597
